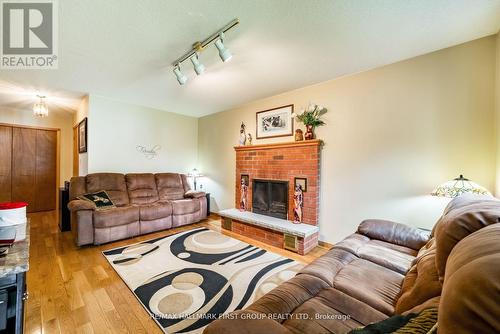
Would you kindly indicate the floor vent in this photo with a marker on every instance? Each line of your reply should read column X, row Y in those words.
column 227, row 224
column 290, row 242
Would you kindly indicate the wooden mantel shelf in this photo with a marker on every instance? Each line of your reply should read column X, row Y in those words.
column 313, row 142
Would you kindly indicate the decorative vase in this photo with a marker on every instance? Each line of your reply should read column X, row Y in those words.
column 299, row 135
column 309, row 132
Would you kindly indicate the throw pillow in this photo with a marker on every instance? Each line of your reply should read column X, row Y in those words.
column 100, row 199
column 423, row 323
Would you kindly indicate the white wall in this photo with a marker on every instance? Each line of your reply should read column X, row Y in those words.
column 57, row 119
column 115, row 129
column 392, row 135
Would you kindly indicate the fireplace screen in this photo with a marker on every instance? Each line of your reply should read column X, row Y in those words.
column 270, row 197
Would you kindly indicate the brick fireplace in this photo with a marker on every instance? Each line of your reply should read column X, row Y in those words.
column 283, row 162
column 271, row 170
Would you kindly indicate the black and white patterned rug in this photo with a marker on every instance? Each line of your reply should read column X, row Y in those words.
column 187, row 280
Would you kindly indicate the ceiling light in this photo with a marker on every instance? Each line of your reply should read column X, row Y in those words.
column 198, row 67
column 217, row 38
column 181, row 78
column 224, row 53
column 40, row 109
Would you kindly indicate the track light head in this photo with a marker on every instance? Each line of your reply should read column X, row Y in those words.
column 181, row 78
column 224, row 53
column 198, row 67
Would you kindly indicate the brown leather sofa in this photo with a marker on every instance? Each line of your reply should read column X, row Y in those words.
column 144, row 203
column 387, row 268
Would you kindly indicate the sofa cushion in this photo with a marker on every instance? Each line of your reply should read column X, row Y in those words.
column 113, row 183
column 115, row 217
column 370, row 283
column 141, row 188
column 185, row 206
column 469, row 301
column 394, row 233
column 155, row 211
column 170, row 186
column 421, row 283
column 394, row 257
column 465, row 216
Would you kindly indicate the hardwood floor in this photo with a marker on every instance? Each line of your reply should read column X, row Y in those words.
column 75, row 290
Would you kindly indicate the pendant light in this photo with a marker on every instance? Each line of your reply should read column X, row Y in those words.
column 40, row 108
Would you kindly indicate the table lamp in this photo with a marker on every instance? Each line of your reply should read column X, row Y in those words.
column 195, row 174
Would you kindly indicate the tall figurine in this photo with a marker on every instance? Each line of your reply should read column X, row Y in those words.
column 249, row 139
column 243, row 195
column 298, row 200
column 243, row 135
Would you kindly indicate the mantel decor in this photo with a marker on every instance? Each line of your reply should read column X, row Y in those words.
column 275, row 122
column 311, row 117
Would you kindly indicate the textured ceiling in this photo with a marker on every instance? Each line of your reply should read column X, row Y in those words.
column 123, row 49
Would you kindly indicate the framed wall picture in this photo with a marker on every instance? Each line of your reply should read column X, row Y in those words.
column 302, row 181
column 245, row 178
column 276, row 122
column 82, row 136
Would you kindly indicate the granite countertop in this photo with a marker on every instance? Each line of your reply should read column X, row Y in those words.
column 17, row 260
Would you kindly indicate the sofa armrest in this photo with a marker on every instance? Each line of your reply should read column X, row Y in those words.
column 245, row 322
column 79, row 204
column 194, row 194
column 394, row 233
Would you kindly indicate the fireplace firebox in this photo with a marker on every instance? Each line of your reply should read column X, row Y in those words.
column 270, row 197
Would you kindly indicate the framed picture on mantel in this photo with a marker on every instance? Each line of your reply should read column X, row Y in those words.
column 276, row 122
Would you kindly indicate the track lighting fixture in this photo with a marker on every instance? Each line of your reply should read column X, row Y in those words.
column 181, row 78
column 193, row 55
column 224, row 53
column 198, row 67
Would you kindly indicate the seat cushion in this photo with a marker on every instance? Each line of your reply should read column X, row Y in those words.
column 394, row 257
column 115, row 217
column 113, row 183
column 170, row 186
column 155, row 211
column 141, row 188
column 185, row 206
column 370, row 283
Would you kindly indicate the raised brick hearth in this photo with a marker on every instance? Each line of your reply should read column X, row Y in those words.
column 280, row 162
column 270, row 230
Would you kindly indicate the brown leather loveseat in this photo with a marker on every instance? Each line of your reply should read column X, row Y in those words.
column 144, row 203
column 387, row 268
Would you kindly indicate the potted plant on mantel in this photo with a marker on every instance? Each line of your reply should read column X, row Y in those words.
column 311, row 117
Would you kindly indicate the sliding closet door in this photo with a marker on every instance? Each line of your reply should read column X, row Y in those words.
column 46, row 166
column 5, row 163
column 24, row 166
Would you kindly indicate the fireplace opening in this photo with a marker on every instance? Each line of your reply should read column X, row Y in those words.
column 270, row 198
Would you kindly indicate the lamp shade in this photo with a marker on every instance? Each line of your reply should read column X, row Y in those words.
column 459, row 186
column 195, row 173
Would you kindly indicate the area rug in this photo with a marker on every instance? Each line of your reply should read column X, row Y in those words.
column 189, row 279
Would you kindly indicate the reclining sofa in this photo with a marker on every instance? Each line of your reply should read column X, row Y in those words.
column 387, row 268
column 144, row 203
